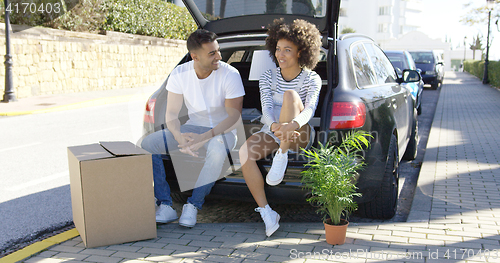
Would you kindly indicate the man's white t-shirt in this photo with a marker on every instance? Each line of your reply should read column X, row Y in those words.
column 204, row 98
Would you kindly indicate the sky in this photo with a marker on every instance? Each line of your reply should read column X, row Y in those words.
column 444, row 22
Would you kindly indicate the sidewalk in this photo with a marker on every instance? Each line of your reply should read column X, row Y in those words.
column 58, row 102
column 455, row 215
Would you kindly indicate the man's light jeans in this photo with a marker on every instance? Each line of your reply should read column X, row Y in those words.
column 156, row 143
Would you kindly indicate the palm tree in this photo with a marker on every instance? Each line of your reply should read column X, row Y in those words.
column 477, row 45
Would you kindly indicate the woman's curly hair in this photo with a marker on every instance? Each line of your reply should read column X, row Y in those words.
column 300, row 32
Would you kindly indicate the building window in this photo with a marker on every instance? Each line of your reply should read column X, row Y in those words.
column 384, row 11
column 382, row 28
column 405, row 29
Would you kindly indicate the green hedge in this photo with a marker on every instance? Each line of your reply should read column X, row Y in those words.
column 476, row 68
column 151, row 18
column 156, row 18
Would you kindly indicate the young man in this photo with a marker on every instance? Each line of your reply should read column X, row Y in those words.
column 213, row 94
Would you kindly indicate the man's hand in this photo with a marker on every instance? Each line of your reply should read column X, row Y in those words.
column 286, row 132
column 191, row 142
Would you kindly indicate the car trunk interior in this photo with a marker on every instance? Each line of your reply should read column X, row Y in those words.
column 251, row 103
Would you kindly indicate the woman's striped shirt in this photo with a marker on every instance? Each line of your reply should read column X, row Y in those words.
column 309, row 93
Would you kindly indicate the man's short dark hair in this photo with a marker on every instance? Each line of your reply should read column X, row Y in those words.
column 198, row 38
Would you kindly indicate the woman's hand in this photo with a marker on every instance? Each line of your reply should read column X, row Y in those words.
column 286, row 132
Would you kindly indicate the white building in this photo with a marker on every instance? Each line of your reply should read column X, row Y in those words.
column 380, row 19
column 417, row 40
column 394, row 25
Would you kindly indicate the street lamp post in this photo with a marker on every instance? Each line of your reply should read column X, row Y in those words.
column 465, row 48
column 486, row 60
column 9, row 94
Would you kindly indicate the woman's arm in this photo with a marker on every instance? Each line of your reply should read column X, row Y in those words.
column 266, row 99
column 313, row 90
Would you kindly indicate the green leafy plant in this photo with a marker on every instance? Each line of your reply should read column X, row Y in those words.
column 331, row 175
column 155, row 18
column 148, row 17
column 476, row 68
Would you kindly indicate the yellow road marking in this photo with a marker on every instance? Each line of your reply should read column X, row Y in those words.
column 39, row 246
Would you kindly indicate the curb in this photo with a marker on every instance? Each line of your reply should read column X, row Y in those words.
column 39, row 246
column 83, row 104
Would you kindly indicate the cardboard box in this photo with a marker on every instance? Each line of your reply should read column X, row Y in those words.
column 112, row 193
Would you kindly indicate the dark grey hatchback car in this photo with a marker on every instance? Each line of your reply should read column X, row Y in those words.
column 431, row 65
column 361, row 90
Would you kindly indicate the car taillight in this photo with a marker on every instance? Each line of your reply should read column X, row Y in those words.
column 149, row 115
column 348, row 115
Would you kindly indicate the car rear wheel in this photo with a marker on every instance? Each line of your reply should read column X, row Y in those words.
column 411, row 149
column 384, row 205
column 435, row 85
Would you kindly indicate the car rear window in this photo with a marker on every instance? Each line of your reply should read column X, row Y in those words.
column 422, row 57
column 384, row 71
column 219, row 9
column 363, row 71
column 398, row 60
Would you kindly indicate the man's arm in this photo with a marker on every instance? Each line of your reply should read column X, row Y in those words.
column 233, row 109
column 174, row 106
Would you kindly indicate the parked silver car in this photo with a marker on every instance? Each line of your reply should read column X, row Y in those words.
column 403, row 60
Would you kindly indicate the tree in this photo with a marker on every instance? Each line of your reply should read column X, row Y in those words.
column 479, row 15
column 476, row 45
column 347, row 30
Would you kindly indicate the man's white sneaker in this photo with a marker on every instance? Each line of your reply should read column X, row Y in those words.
column 165, row 214
column 277, row 171
column 188, row 217
column 270, row 217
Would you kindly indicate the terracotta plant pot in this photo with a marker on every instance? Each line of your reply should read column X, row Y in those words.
column 335, row 234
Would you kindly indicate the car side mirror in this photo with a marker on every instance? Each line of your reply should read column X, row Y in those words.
column 410, row 75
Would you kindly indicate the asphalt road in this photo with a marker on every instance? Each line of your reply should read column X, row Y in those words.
column 35, row 195
column 34, row 189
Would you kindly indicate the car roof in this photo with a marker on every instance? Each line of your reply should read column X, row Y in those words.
column 251, row 16
column 395, row 51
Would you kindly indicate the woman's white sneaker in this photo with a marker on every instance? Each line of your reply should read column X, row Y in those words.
column 277, row 171
column 270, row 217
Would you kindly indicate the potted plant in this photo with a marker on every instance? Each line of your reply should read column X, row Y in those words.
column 331, row 177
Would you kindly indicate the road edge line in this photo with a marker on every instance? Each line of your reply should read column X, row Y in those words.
column 39, row 246
column 79, row 105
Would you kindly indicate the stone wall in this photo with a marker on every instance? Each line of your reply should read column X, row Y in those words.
column 50, row 61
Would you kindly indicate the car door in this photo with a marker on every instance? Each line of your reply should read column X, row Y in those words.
column 398, row 97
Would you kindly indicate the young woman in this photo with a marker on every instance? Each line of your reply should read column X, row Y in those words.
column 289, row 96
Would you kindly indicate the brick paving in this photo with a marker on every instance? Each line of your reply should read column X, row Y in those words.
column 455, row 216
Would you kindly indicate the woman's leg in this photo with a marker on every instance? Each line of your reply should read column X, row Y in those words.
column 303, row 140
column 258, row 146
column 292, row 106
